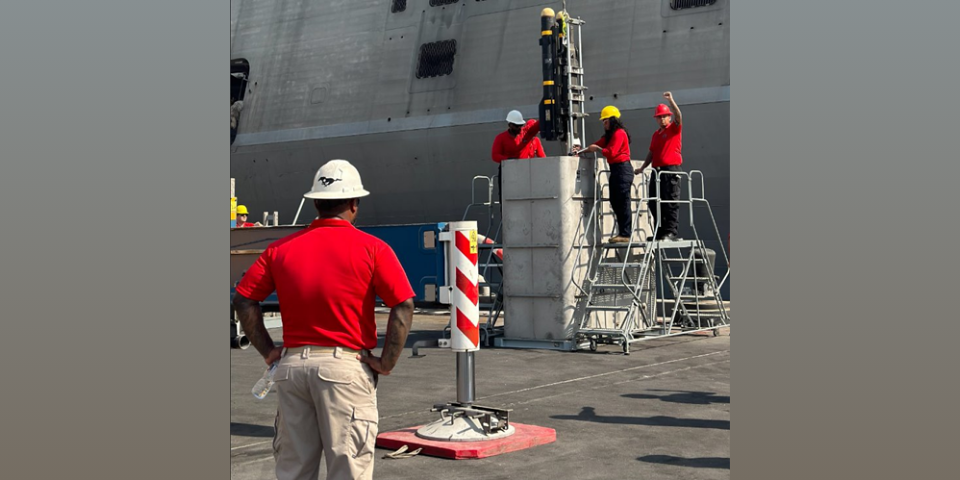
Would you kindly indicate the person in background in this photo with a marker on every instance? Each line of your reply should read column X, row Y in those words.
column 242, row 215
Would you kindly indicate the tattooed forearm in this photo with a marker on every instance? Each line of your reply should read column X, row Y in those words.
column 398, row 326
column 251, row 319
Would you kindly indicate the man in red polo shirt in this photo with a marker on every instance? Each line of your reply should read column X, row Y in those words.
column 327, row 278
column 518, row 141
column 665, row 145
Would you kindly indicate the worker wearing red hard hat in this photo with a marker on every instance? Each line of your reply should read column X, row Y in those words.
column 664, row 154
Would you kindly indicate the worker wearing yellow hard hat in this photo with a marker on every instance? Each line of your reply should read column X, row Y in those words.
column 615, row 147
column 242, row 215
column 608, row 112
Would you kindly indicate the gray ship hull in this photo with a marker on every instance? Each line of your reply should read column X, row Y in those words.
column 338, row 79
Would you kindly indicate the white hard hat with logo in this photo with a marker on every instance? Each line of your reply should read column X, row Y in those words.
column 515, row 118
column 336, row 179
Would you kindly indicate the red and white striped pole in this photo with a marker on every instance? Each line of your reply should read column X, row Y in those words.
column 462, row 275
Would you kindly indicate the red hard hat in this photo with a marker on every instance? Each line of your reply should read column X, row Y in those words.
column 662, row 110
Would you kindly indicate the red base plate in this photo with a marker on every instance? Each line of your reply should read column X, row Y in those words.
column 526, row 436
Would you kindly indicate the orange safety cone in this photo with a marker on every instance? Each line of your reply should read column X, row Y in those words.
column 498, row 252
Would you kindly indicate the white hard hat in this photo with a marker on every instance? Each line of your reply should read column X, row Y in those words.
column 336, row 179
column 515, row 118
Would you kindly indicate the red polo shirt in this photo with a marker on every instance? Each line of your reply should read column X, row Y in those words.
column 665, row 145
column 327, row 278
column 618, row 151
column 524, row 145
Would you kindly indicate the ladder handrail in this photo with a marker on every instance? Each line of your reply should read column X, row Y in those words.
column 488, row 264
column 587, row 230
column 596, row 328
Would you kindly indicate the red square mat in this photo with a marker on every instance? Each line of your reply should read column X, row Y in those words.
column 526, row 436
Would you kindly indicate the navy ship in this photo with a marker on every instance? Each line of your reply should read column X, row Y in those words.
column 413, row 93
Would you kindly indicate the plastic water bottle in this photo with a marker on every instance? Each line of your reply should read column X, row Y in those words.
column 265, row 383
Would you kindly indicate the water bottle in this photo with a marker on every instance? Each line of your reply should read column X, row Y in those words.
column 265, row 383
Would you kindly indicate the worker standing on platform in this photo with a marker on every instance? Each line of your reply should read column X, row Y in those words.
column 665, row 146
column 518, row 141
column 615, row 147
column 327, row 278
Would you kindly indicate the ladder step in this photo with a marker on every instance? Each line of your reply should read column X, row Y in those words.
column 636, row 244
column 683, row 260
column 634, row 200
column 698, row 297
column 692, row 279
column 610, row 308
column 610, row 285
column 676, row 244
column 600, row 331
column 577, row 87
column 621, row 265
column 615, row 286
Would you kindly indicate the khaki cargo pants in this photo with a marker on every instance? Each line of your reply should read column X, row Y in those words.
column 328, row 408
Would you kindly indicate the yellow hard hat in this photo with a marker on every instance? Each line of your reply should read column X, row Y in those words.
column 609, row 111
column 242, row 210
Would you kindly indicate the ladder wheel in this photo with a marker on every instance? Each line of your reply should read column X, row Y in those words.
column 593, row 345
column 716, row 332
column 483, row 337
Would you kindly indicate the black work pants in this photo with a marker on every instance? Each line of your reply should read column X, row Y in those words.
column 669, row 190
column 621, row 182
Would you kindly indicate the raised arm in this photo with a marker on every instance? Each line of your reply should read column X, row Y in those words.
column 677, row 116
column 529, row 131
